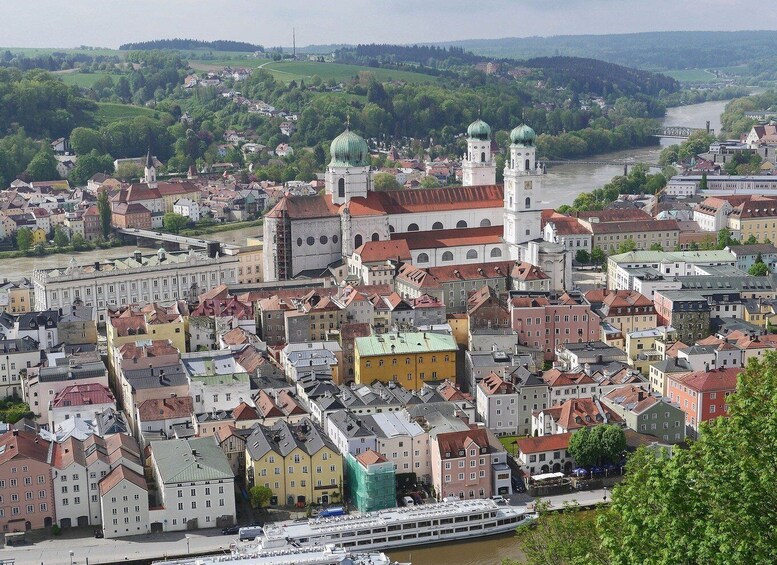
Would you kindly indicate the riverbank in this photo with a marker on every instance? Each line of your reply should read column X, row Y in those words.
column 55, row 551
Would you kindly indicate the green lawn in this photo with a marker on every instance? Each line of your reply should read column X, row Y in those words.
column 84, row 80
column 108, row 112
column 690, row 75
column 287, row 71
column 509, row 443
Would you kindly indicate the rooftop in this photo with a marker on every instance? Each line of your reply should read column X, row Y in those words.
column 404, row 343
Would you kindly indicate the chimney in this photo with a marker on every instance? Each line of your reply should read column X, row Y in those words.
column 96, row 265
column 138, row 256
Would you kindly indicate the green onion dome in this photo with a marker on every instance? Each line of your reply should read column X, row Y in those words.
column 479, row 130
column 523, row 135
column 349, row 150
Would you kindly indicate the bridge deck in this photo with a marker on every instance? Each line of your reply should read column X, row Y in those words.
column 162, row 236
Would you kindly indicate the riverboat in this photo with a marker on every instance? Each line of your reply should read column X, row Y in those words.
column 314, row 555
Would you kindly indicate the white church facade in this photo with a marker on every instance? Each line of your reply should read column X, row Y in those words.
column 478, row 222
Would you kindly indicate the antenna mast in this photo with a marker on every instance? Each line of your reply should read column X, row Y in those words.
column 294, row 42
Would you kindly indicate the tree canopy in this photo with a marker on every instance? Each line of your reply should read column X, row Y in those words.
column 600, row 444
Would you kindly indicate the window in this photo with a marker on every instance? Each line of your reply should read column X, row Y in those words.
column 461, row 224
column 472, row 254
column 358, row 240
column 437, row 226
column 341, row 188
column 485, row 223
column 412, row 227
column 423, row 258
column 527, row 203
column 447, row 256
column 496, row 252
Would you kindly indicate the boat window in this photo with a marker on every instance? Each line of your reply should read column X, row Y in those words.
column 461, row 519
column 425, row 524
column 394, row 528
column 408, row 526
column 364, row 532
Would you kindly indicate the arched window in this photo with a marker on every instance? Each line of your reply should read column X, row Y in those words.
column 447, row 256
column 391, row 229
column 527, row 203
column 526, row 163
column 485, row 223
column 423, row 258
column 412, row 227
column 496, row 252
column 461, row 224
column 437, row 226
column 483, row 157
column 375, row 237
column 357, row 241
column 472, row 254
column 341, row 188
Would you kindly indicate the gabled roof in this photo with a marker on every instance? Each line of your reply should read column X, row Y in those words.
column 544, row 443
column 711, row 381
column 458, row 237
column 166, row 408
column 119, row 474
column 24, row 444
column 370, row 457
column 378, row 251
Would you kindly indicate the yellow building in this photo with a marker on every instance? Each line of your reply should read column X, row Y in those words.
column 251, row 256
column 38, row 236
column 407, row 358
column 459, row 323
column 645, row 347
column 297, row 462
column 133, row 323
column 16, row 297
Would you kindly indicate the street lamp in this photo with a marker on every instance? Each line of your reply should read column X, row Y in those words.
column 605, row 494
column 187, row 545
column 71, row 557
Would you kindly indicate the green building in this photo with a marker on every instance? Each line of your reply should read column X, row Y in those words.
column 371, row 483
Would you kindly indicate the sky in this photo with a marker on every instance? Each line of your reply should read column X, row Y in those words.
column 109, row 23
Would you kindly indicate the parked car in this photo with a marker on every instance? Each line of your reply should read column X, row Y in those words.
column 230, row 531
column 98, row 533
column 408, row 500
column 499, row 499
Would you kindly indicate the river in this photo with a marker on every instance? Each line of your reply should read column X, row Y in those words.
column 562, row 184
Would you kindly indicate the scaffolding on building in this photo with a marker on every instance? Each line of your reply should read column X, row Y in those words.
column 373, row 486
column 283, row 246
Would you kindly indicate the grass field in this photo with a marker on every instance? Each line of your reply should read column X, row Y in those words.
column 35, row 51
column 108, row 112
column 84, row 80
column 690, row 75
column 295, row 70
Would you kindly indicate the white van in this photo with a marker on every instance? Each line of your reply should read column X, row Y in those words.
column 499, row 499
column 408, row 500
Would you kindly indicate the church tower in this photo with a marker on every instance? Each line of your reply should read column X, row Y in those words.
column 522, row 190
column 348, row 173
column 478, row 167
column 150, row 170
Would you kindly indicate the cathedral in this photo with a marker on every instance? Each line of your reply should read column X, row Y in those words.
column 478, row 222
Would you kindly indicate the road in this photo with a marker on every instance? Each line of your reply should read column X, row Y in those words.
column 55, row 551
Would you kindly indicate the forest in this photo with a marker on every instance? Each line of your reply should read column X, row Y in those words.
column 191, row 44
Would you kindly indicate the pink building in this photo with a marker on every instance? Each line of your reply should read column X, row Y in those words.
column 26, row 491
column 461, row 464
column 545, row 323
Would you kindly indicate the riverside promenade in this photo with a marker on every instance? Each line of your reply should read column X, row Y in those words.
column 88, row 550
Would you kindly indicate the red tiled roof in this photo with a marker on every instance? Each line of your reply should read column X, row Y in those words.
column 544, row 443
column 451, row 238
column 637, row 226
column 613, row 215
column 453, row 442
column 266, row 406
column 578, row 413
column 568, row 226
column 166, row 408
column 376, row 251
column 708, row 381
column 245, row 412
column 439, row 199
column 370, row 457
column 555, row 377
column 527, row 272
column 18, row 443
column 83, row 395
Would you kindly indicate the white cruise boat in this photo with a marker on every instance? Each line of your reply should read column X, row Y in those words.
column 397, row 527
column 327, row 555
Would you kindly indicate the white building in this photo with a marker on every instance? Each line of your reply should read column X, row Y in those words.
column 478, row 167
column 402, row 441
column 545, row 454
column 195, row 484
column 124, row 503
column 504, row 406
column 348, row 433
column 16, row 355
column 83, row 401
column 187, row 208
column 78, row 468
column 132, row 280
column 668, row 263
column 216, row 380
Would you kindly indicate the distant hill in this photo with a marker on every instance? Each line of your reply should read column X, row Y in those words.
column 654, row 50
column 189, row 44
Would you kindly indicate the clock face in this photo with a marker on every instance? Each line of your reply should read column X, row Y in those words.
column 527, row 185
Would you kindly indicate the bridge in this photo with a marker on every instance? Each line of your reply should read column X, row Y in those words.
column 625, row 163
column 181, row 241
column 680, row 132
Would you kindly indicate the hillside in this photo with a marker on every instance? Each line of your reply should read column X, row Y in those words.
column 654, row 50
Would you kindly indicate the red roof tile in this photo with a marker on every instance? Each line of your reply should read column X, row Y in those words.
column 451, row 238
column 544, row 443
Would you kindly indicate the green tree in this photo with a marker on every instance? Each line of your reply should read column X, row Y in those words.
column 598, row 256
column 173, row 222
column 260, row 496
column 60, row 237
column 104, row 211
column 561, row 538
column 656, row 247
column 84, row 140
column 385, row 181
column 582, row 256
column 725, row 239
column 43, row 166
column 714, row 503
column 23, row 239
column 751, row 240
column 429, row 182
column 598, row 444
column 79, row 243
column 626, row 246
column 759, row 268
column 703, row 181
column 89, row 164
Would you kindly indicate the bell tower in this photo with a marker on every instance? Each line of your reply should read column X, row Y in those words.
column 477, row 167
column 150, row 170
column 348, row 173
column 522, row 190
